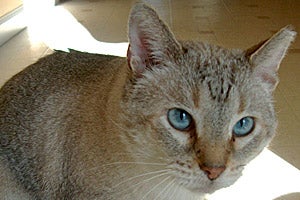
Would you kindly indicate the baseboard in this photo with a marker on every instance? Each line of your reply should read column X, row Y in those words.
column 11, row 24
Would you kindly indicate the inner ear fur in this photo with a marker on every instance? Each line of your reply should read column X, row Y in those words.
column 150, row 40
column 266, row 57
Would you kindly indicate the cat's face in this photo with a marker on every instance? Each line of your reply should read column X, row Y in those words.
column 204, row 109
column 201, row 111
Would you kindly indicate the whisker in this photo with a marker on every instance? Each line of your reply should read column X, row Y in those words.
column 157, row 185
column 141, row 175
column 142, row 182
column 129, row 163
column 175, row 188
column 118, row 125
column 125, row 129
column 137, row 163
column 141, row 154
column 165, row 189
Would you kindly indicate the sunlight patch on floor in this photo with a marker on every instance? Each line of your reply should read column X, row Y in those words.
column 59, row 30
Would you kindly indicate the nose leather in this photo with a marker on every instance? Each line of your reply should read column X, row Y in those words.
column 213, row 172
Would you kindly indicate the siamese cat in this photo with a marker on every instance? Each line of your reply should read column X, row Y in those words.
column 174, row 121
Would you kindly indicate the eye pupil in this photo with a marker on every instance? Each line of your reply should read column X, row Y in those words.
column 179, row 119
column 242, row 122
column 182, row 116
column 244, row 126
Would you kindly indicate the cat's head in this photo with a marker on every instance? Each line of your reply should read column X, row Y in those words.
column 200, row 110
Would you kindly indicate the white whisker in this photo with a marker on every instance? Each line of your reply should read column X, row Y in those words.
column 137, row 154
column 171, row 196
column 118, row 125
column 165, row 189
column 141, row 175
column 129, row 132
column 142, row 182
column 125, row 163
column 136, row 163
column 157, row 185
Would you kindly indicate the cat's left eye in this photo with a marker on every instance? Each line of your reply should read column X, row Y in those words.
column 179, row 119
column 244, row 126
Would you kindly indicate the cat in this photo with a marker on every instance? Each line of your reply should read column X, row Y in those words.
column 176, row 120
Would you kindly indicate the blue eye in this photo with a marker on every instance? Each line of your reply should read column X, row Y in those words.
column 243, row 127
column 179, row 119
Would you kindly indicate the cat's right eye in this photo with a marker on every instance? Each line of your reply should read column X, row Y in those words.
column 179, row 119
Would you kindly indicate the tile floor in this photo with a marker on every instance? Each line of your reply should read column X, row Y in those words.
column 230, row 23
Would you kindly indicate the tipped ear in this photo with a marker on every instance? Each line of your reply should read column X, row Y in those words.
column 267, row 56
column 150, row 40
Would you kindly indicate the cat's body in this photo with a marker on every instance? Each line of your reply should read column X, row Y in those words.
column 66, row 113
column 83, row 126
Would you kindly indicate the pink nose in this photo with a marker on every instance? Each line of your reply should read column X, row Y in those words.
column 213, row 172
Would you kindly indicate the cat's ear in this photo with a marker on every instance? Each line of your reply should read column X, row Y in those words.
column 150, row 40
column 267, row 56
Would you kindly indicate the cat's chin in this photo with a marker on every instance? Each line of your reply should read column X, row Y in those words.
column 206, row 186
column 212, row 187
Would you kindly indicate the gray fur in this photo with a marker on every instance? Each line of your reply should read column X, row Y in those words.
column 85, row 126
